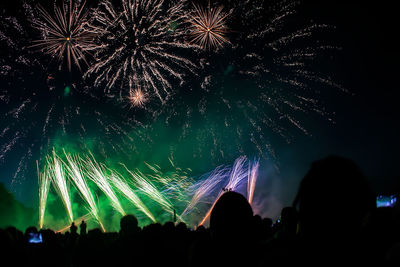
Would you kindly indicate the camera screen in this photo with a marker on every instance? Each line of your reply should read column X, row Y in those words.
column 35, row 238
column 386, row 201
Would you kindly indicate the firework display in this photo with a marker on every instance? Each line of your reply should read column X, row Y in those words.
column 75, row 171
column 57, row 176
column 42, row 107
column 266, row 89
column 208, row 27
column 131, row 195
column 137, row 47
column 174, row 83
column 98, row 177
column 44, row 186
column 87, row 175
column 63, row 34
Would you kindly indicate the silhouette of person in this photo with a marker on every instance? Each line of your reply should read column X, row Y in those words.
column 83, row 227
column 231, row 227
column 129, row 241
column 333, row 200
column 266, row 228
column 129, row 225
column 289, row 220
column 73, row 229
column 231, row 217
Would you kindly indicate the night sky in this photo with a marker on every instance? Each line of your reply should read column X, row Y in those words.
column 366, row 128
column 364, row 124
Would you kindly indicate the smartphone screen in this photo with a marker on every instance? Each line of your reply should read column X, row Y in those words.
column 386, row 201
column 35, row 238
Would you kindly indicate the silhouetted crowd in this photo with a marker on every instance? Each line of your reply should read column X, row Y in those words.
column 333, row 220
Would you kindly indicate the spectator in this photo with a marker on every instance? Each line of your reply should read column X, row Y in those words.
column 83, row 227
column 333, row 200
column 73, row 229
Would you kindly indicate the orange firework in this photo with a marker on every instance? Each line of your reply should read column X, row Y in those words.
column 63, row 34
column 137, row 98
column 208, row 27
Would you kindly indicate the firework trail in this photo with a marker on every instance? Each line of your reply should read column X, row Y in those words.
column 14, row 102
column 75, row 173
column 140, row 46
column 173, row 184
column 238, row 174
column 208, row 188
column 44, row 186
column 63, row 34
column 205, row 187
column 86, row 217
column 252, row 179
column 208, row 27
column 127, row 191
column 95, row 173
column 149, row 189
column 57, row 176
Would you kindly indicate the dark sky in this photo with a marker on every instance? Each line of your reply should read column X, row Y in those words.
column 366, row 128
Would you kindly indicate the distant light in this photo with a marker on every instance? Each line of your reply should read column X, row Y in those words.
column 67, row 91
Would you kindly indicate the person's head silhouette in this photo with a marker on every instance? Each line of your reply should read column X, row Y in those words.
column 129, row 225
column 231, row 217
column 333, row 197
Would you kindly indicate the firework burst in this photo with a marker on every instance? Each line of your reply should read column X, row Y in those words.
column 140, row 46
column 208, row 27
column 266, row 90
column 137, row 98
column 41, row 108
column 63, row 34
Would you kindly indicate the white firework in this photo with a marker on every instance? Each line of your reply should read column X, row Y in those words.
column 140, row 46
column 63, row 34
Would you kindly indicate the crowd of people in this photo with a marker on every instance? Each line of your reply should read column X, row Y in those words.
column 333, row 220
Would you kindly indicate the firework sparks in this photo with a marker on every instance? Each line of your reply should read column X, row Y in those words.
column 96, row 174
column 37, row 102
column 75, row 173
column 205, row 187
column 137, row 98
column 138, row 46
column 130, row 194
column 144, row 190
column 208, row 27
column 86, row 217
column 273, row 59
column 44, row 186
column 174, row 184
column 57, row 176
column 251, row 182
column 63, row 35
column 151, row 191
column 238, row 174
